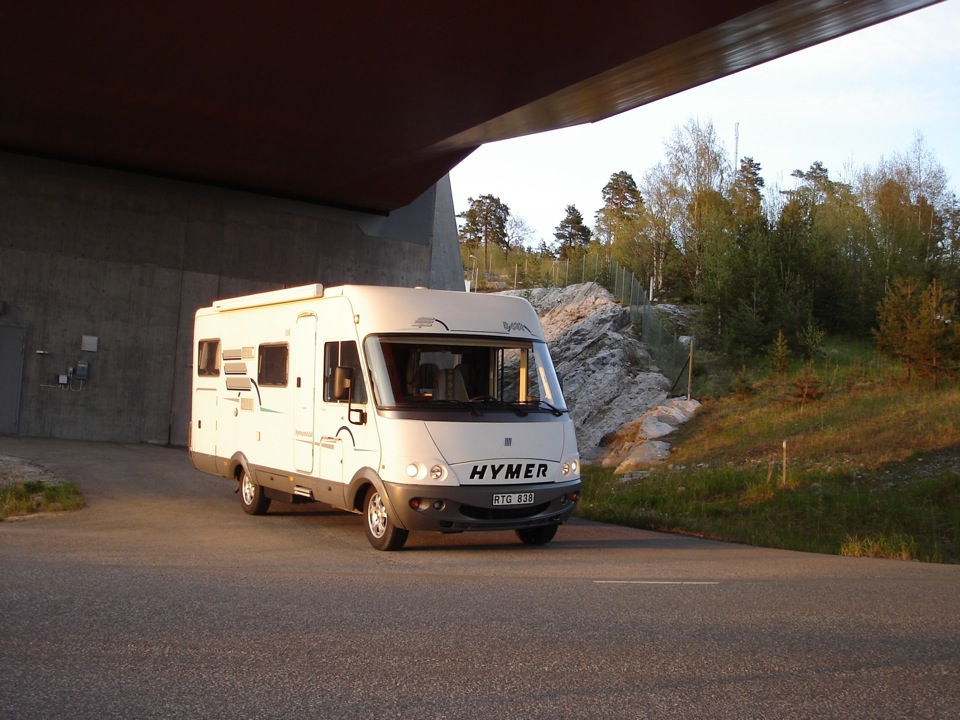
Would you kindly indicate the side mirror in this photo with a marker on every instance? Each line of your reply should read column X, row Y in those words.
column 343, row 390
column 342, row 383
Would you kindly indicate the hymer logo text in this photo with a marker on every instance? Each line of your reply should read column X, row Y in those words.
column 509, row 471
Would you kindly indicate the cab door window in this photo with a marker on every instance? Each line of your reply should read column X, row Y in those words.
column 342, row 354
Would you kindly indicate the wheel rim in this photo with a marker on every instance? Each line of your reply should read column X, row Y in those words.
column 377, row 516
column 248, row 489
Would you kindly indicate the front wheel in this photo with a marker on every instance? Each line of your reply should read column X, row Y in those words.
column 252, row 497
column 381, row 531
column 537, row 535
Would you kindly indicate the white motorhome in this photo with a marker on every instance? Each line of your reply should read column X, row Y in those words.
column 420, row 409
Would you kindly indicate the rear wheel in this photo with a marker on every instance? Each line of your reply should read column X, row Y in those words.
column 252, row 497
column 537, row 535
column 381, row 531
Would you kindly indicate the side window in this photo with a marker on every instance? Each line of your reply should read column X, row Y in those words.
column 208, row 358
column 343, row 354
column 272, row 365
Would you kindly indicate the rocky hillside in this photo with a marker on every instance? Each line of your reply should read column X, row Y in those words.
column 616, row 394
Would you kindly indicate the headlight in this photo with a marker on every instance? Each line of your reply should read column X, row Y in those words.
column 419, row 471
column 571, row 467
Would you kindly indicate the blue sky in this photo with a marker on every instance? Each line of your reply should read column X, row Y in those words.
column 847, row 103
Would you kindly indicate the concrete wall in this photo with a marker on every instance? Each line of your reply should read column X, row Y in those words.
column 128, row 259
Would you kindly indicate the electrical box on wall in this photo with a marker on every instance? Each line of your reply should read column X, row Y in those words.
column 83, row 370
column 88, row 343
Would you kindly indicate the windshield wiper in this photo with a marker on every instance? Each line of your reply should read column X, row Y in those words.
column 501, row 403
column 553, row 408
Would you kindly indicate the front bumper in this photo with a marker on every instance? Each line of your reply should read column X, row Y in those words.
column 454, row 509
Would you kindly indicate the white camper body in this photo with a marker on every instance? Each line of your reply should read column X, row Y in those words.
column 421, row 409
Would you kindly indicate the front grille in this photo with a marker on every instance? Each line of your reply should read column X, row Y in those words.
column 479, row 513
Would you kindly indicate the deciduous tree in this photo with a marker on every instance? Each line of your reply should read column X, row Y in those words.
column 664, row 218
column 696, row 173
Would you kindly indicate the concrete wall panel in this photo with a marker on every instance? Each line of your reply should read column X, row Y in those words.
column 129, row 259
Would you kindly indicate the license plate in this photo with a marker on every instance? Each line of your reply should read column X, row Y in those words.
column 500, row 499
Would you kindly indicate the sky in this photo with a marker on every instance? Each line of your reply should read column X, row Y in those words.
column 846, row 103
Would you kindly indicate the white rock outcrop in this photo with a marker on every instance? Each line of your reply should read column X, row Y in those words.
column 610, row 382
column 636, row 444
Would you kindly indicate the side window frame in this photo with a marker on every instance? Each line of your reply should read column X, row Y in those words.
column 270, row 358
column 208, row 357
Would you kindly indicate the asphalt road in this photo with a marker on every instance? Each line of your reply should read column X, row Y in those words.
column 162, row 599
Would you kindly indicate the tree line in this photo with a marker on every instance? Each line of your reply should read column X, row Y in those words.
column 825, row 256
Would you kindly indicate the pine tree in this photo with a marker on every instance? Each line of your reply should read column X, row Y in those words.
column 937, row 339
column 896, row 319
column 920, row 328
column 779, row 355
column 618, row 222
column 484, row 222
column 572, row 235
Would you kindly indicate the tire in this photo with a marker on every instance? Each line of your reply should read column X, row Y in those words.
column 381, row 531
column 252, row 498
column 537, row 535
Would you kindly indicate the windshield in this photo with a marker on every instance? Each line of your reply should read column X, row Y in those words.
column 417, row 371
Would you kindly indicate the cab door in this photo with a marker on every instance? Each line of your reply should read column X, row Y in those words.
column 346, row 429
column 350, row 439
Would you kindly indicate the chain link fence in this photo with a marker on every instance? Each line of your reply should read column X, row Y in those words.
column 670, row 354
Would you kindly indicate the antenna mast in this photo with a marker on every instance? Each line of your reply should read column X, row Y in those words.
column 736, row 148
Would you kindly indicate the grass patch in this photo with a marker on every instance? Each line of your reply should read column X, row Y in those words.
column 36, row 496
column 898, row 547
column 871, row 466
